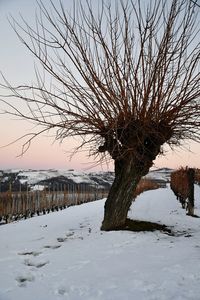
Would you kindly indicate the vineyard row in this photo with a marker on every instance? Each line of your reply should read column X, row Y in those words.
column 18, row 205
column 182, row 184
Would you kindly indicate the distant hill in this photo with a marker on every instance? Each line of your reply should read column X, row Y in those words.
column 162, row 174
column 23, row 180
column 53, row 179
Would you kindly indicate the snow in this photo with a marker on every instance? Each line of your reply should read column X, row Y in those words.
column 33, row 177
column 64, row 255
column 162, row 174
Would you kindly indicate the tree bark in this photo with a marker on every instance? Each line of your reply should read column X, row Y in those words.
column 128, row 173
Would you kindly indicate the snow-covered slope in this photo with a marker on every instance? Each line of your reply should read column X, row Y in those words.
column 21, row 180
column 162, row 174
column 37, row 179
column 64, row 255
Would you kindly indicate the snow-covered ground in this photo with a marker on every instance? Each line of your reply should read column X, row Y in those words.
column 64, row 255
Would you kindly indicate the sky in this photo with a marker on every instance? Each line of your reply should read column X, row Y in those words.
column 17, row 64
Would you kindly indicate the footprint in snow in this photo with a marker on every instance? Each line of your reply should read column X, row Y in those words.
column 23, row 279
column 33, row 253
column 82, row 226
column 69, row 234
column 61, row 291
column 39, row 264
column 73, row 291
column 61, row 239
column 52, row 246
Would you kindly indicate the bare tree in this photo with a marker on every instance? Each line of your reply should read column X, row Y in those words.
column 124, row 77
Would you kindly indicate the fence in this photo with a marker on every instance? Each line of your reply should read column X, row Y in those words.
column 182, row 184
column 17, row 205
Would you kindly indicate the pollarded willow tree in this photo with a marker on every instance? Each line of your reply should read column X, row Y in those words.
column 124, row 77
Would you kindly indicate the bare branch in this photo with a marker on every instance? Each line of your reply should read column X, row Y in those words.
column 125, row 77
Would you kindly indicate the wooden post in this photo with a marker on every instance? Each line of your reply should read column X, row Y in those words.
column 190, row 206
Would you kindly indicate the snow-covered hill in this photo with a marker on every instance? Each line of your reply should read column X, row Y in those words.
column 162, row 174
column 64, row 255
column 37, row 179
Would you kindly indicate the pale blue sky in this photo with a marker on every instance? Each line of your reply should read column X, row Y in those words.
column 16, row 63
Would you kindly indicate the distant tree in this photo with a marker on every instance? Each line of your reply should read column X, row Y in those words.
column 122, row 75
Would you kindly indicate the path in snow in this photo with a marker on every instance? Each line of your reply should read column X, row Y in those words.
column 64, row 255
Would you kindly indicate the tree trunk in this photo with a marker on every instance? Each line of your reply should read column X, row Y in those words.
column 128, row 173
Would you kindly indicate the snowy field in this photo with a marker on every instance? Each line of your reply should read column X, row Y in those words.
column 64, row 255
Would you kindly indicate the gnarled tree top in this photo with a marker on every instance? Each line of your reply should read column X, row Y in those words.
column 123, row 75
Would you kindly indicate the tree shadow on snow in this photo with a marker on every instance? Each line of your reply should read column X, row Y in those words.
column 137, row 226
